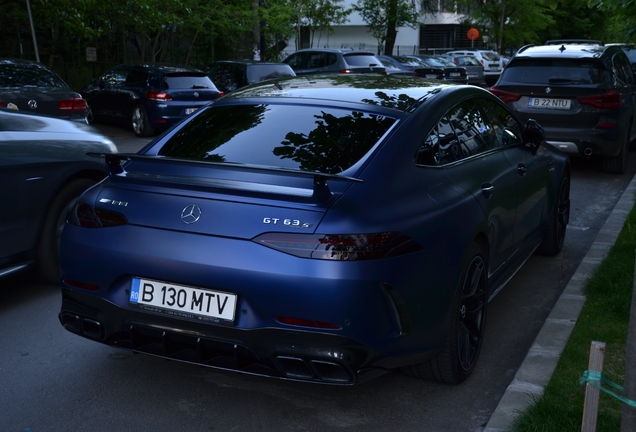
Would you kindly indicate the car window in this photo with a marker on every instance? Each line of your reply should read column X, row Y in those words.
column 318, row 60
column 257, row 73
column 555, row 71
column 433, row 62
column 490, row 55
column 28, row 75
column 296, row 61
column 115, row 76
column 361, row 60
column 464, row 131
column 187, row 81
column 306, row 138
column 506, row 129
column 136, row 77
column 623, row 68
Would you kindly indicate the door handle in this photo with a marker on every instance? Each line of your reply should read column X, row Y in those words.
column 522, row 169
column 487, row 189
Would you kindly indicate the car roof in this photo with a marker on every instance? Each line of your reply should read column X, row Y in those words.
column 247, row 62
column 374, row 90
column 333, row 50
column 566, row 50
column 161, row 67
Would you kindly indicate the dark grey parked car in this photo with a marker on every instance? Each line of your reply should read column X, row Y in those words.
column 43, row 169
column 582, row 93
column 323, row 60
column 229, row 75
column 30, row 86
column 474, row 69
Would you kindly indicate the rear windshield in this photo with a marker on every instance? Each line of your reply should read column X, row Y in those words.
column 28, row 75
column 256, row 73
column 361, row 60
column 490, row 55
column 187, row 82
column 555, row 71
column 306, row 138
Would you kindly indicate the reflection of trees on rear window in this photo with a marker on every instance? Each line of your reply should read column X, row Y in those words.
column 307, row 138
column 28, row 76
column 555, row 72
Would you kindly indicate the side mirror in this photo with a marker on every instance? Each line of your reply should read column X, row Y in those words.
column 533, row 135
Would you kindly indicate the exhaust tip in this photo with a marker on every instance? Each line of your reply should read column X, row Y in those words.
column 588, row 151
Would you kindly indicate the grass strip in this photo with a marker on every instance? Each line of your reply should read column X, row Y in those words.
column 604, row 318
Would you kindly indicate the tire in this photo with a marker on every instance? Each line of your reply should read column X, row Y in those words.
column 465, row 325
column 140, row 122
column 90, row 117
column 559, row 218
column 618, row 164
column 48, row 254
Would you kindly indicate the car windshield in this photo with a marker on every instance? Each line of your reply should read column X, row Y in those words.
column 187, row 82
column 28, row 75
column 307, row 138
column 434, row 62
column 555, row 71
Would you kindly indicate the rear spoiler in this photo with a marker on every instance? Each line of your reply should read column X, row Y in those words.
column 320, row 192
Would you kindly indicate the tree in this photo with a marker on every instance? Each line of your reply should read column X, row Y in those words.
column 321, row 15
column 384, row 17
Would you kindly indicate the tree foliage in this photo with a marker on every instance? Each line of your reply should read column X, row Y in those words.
column 622, row 22
column 384, row 17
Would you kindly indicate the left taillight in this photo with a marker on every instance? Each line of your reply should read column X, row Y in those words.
column 87, row 216
column 340, row 247
column 158, row 96
column 73, row 104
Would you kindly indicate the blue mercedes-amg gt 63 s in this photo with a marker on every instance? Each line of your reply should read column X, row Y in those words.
column 317, row 228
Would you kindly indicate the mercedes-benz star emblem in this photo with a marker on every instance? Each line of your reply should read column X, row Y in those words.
column 191, row 214
column 33, row 104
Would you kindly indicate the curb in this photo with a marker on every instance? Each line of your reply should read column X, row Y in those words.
column 537, row 368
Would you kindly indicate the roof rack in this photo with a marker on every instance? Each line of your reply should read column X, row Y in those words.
column 523, row 48
column 574, row 42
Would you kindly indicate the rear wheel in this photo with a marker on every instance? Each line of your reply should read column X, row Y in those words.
column 559, row 218
column 48, row 258
column 465, row 324
column 140, row 122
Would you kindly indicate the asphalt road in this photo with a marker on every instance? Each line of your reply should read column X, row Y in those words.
column 52, row 380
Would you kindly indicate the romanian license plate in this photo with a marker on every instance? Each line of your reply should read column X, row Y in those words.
column 455, row 74
column 190, row 110
column 563, row 104
column 183, row 301
column 433, row 76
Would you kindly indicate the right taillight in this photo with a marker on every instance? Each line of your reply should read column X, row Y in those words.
column 87, row 216
column 504, row 95
column 609, row 100
column 340, row 247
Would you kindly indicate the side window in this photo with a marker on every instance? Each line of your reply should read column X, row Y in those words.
column 331, row 59
column 440, row 146
column 116, row 76
column 473, row 131
column 136, row 77
column 506, row 129
column 623, row 69
column 317, row 60
column 296, row 60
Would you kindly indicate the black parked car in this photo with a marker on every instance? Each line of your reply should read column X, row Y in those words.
column 583, row 94
column 34, row 88
column 414, row 65
column 324, row 60
column 452, row 72
column 149, row 97
column 43, row 169
column 229, row 75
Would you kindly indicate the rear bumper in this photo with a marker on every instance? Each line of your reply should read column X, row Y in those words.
column 286, row 354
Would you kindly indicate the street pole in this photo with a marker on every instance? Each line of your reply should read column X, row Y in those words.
column 35, row 42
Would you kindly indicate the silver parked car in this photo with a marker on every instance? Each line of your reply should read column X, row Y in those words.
column 43, row 170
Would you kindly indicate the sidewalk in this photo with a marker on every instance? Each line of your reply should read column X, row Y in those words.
column 537, row 368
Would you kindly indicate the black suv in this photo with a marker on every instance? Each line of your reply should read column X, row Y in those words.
column 582, row 93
